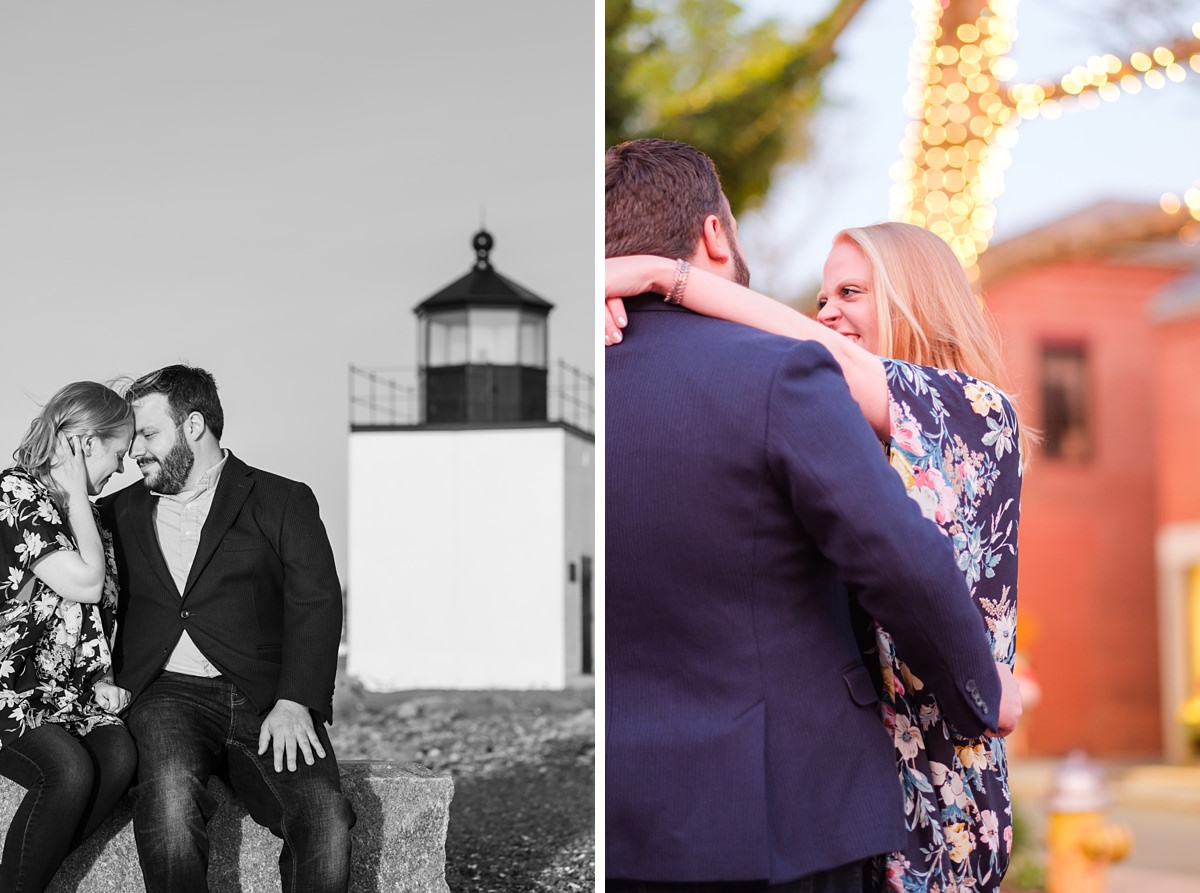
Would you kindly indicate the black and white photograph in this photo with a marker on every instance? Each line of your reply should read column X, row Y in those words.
column 299, row 394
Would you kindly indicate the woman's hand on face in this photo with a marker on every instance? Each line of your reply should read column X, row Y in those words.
column 68, row 468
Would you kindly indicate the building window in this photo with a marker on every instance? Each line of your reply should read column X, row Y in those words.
column 588, row 665
column 1066, row 425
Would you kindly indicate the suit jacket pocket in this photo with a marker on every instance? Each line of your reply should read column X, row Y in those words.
column 861, row 685
column 270, row 652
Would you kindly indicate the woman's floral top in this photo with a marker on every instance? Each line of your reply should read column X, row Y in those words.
column 955, row 445
column 52, row 650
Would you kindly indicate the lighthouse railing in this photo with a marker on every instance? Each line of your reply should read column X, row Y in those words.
column 390, row 396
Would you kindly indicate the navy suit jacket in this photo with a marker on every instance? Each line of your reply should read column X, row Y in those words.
column 262, row 601
column 744, row 491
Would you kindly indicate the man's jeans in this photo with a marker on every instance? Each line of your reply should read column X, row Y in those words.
column 188, row 728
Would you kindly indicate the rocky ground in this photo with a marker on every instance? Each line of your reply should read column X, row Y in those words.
column 524, row 768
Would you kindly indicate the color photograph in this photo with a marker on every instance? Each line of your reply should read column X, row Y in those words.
column 896, row 294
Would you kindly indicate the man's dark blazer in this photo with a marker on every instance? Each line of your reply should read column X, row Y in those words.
column 743, row 490
column 262, row 601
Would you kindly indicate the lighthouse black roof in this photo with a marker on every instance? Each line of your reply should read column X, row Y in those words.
column 483, row 286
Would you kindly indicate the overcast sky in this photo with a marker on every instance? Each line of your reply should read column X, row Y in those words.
column 1136, row 148
column 267, row 189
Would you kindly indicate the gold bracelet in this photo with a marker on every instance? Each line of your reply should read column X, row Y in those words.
column 675, row 295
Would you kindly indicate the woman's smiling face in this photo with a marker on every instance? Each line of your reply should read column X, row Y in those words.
column 105, row 456
column 846, row 303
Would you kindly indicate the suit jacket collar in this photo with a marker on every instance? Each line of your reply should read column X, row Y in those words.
column 233, row 488
column 237, row 480
column 135, row 521
column 652, row 303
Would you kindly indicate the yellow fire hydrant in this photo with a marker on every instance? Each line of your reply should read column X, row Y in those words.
column 1081, row 843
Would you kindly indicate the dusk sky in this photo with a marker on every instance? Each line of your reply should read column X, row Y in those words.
column 267, row 190
column 1134, row 149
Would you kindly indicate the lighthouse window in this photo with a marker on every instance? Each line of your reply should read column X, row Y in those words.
column 493, row 336
column 533, row 341
column 448, row 339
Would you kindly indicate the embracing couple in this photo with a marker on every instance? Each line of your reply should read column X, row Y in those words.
column 200, row 604
column 811, row 531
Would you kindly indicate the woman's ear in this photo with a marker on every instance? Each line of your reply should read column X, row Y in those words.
column 88, row 443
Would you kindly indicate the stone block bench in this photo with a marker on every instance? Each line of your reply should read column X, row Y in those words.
column 399, row 839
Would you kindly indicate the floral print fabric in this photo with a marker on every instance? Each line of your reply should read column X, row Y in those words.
column 955, row 445
column 52, row 649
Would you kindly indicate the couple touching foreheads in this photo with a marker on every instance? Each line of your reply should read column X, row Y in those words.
column 807, row 651
column 201, row 604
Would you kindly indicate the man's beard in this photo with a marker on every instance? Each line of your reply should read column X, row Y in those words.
column 173, row 468
column 741, row 272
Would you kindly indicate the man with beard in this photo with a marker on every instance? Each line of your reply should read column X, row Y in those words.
column 228, row 629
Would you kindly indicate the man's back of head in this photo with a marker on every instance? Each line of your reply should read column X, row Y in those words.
column 657, row 195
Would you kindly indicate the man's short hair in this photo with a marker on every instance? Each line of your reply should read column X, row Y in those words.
column 188, row 389
column 657, row 194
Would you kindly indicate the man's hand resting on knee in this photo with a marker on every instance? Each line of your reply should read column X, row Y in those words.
column 289, row 725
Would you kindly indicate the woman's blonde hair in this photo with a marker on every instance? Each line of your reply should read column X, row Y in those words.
column 927, row 311
column 79, row 409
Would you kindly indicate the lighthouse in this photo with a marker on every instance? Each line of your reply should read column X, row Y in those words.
column 482, row 347
column 472, row 527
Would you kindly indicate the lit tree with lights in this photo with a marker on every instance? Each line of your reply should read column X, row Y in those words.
column 964, row 117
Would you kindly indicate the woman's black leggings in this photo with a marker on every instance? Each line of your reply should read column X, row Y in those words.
column 73, row 785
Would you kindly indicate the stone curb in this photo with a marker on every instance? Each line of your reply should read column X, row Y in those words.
column 399, row 839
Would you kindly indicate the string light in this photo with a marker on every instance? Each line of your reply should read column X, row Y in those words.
column 1191, row 198
column 964, row 116
column 949, row 173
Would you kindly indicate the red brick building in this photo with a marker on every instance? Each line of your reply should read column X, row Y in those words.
column 1100, row 316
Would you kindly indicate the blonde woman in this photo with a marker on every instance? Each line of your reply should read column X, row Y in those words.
column 923, row 361
column 60, row 736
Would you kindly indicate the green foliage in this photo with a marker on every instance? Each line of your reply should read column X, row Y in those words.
column 1026, row 874
column 698, row 71
column 1026, row 870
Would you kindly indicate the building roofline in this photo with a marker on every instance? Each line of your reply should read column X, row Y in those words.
column 1108, row 229
column 477, row 426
